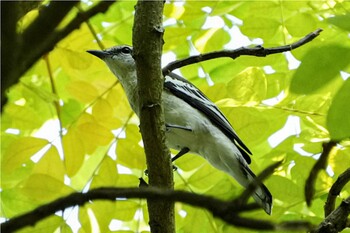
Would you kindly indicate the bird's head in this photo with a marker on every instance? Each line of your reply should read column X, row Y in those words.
column 119, row 59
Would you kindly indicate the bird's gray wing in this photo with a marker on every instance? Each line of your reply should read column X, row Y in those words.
column 186, row 91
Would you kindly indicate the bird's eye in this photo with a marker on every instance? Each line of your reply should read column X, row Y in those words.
column 126, row 50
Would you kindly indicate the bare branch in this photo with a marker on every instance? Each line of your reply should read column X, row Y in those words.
column 319, row 165
column 42, row 36
column 257, row 51
column 218, row 207
column 342, row 180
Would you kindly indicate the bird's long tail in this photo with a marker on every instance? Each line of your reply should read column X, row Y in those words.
column 261, row 195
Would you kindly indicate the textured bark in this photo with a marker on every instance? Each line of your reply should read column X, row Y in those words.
column 148, row 42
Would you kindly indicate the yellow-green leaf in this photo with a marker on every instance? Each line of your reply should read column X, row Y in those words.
column 107, row 174
column 83, row 91
column 20, row 151
column 338, row 118
column 129, row 152
column 248, row 87
column 51, row 164
column 74, row 151
column 94, row 134
column 41, row 187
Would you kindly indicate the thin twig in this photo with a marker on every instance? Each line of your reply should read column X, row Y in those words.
column 257, row 51
column 319, row 165
column 92, row 30
column 54, row 91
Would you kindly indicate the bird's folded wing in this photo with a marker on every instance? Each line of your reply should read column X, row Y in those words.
column 185, row 90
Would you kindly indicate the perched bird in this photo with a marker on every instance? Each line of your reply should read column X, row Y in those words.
column 193, row 123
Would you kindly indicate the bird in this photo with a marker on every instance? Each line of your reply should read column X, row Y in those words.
column 193, row 123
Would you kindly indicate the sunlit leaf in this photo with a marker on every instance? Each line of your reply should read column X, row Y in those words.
column 94, row 135
column 74, row 152
column 14, row 202
column 51, row 164
column 248, row 87
column 107, row 174
column 300, row 24
column 23, row 117
column 20, row 151
column 291, row 192
column 41, row 187
column 319, row 67
column 341, row 21
column 103, row 113
column 338, row 118
column 70, row 111
column 83, row 91
column 129, row 152
column 258, row 95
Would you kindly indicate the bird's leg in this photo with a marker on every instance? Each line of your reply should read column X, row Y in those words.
column 178, row 155
column 183, row 150
column 181, row 153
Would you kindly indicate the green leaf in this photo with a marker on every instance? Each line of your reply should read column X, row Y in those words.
column 94, row 135
column 291, row 194
column 300, row 25
column 102, row 111
column 20, row 151
column 261, row 27
column 129, row 152
column 22, row 117
column 211, row 40
column 319, row 67
column 83, row 91
column 74, row 152
column 205, row 177
column 248, row 87
column 51, row 164
column 14, row 202
column 107, row 174
column 70, row 111
column 43, row 188
column 338, row 118
column 341, row 21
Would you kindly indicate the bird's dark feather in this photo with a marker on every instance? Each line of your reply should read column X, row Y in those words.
column 194, row 97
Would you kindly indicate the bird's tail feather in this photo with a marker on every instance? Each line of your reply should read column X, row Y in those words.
column 261, row 194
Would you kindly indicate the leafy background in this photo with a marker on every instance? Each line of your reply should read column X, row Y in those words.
column 68, row 127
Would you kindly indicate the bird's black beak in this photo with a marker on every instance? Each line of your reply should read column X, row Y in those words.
column 98, row 53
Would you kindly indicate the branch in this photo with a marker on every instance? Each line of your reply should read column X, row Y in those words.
column 225, row 210
column 342, row 180
column 257, row 51
column 15, row 68
column 337, row 220
column 319, row 165
column 218, row 207
column 148, row 42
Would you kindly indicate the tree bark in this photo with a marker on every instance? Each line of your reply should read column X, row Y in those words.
column 148, row 42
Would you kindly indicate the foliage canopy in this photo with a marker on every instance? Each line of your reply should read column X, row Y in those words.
column 68, row 127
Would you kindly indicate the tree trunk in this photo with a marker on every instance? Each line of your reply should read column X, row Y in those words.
column 148, row 42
